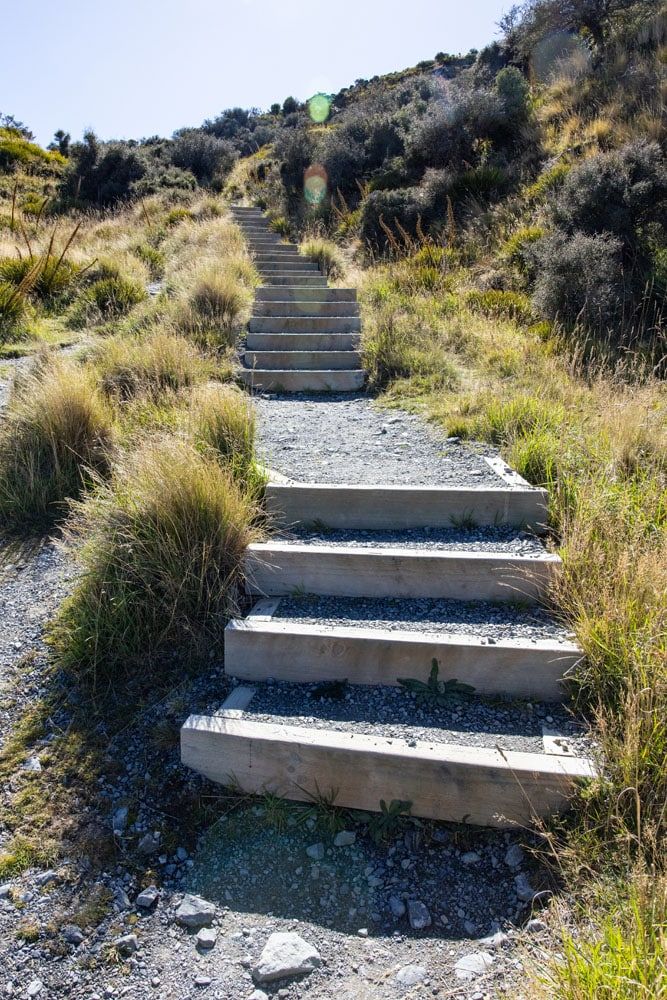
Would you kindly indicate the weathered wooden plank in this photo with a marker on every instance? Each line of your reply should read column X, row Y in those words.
column 257, row 648
column 455, row 783
column 340, row 571
column 400, row 507
column 282, row 380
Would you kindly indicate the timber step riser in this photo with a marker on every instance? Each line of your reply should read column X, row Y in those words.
column 312, row 309
column 302, row 342
column 305, row 294
column 304, row 324
column 302, row 360
column 275, row 570
column 283, row 380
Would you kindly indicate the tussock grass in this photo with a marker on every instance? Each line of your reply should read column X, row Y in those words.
column 222, row 419
column 148, row 365
column 212, row 308
column 326, row 254
column 56, row 434
column 160, row 547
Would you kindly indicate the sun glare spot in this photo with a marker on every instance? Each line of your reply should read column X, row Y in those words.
column 319, row 108
column 315, row 184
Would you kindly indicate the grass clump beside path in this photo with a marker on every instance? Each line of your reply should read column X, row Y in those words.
column 148, row 365
column 161, row 547
column 57, row 433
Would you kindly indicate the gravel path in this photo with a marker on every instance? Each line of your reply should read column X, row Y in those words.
column 349, row 440
column 398, row 714
column 505, row 540
column 477, row 618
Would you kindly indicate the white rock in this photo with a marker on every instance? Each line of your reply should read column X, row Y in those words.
column 207, row 937
column 285, row 954
column 127, row 944
column 418, row 915
column 33, row 764
column 514, row 856
column 73, row 934
column 5, row 890
column 195, row 912
column 119, row 819
column 345, row 838
column 35, row 987
column 473, row 964
column 494, row 940
column 258, row 995
column 411, row 975
column 148, row 897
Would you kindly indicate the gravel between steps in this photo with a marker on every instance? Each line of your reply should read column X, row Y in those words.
column 343, row 439
column 476, row 618
column 506, row 540
column 396, row 714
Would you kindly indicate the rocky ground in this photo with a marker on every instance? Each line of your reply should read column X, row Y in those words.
column 180, row 891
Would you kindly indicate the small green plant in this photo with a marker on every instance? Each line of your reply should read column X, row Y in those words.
column 280, row 225
column 386, row 823
column 434, row 691
column 108, row 298
column 153, row 258
column 177, row 215
column 505, row 305
column 212, row 308
column 326, row 255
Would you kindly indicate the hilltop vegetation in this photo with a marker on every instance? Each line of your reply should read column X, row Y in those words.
column 504, row 216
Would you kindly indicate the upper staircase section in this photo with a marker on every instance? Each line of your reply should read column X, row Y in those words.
column 303, row 336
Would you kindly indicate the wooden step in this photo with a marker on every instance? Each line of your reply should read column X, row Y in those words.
column 291, row 266
column 459, row 784
column 304, row 324
column 304, row 293
column 376, row 507
column 277, row 568
column 312, row 308
column 297, row 280
column 302, row 360
column 261, row 647
column 282, row 380
column 302, row 341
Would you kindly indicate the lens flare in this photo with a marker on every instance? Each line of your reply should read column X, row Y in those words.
column 319, row 108
column 315, row 184
column 559, row 54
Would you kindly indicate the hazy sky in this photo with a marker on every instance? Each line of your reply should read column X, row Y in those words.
column 133, row 68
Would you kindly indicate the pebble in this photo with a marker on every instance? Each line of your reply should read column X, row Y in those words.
column 418, row 915
column 470, row 858
column 411, row 975
column 285, row 954
column 73, row 934
column 148, row 897
column 397, row 906
column 524, row 889
column 195, row 912
column 473, row 964
column 315, row 852
column 34, row 987
column 345, row 838
column 207, row 937
column 536, row 926
column 514, row 856
column 127, row 944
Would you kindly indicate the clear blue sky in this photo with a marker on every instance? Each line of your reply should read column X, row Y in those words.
column 133, row 68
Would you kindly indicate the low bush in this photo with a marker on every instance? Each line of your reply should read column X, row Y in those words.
column 177, row 215
column 210, row 159
column 549, row 181
column 222, row 420
column 57, row 433
column 153, row 365
column 326, row 254
column 393, row 211
column 212, row 307
column 579, row 279
column 55, row 276
column 160, row 546
column 107, row 299
column 506, row 305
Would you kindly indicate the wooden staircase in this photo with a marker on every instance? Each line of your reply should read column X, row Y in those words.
column 303, row 336
column 483, row 785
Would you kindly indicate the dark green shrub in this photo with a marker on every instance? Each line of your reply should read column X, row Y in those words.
column 207, row 157
column 517, row 249
column 448, row 133
column 101, row 173
column 393, row 208
column 294, row 150
column 580, row 278
column 56, row 275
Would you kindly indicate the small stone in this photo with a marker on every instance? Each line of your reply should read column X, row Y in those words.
column 397, row 907
column 203, row 980
column 524, row 889
column 34, row 987
column 195, row 912
column 5, row 890
column 34, row 765
column 418, row 915
column 148, row 844
column 127, row 944
column 73, row 934
column 514, row 856
column 345, row 838
column 411, row 975
column 536, row 926
column 315, row 852
column 181, row 854
column 119, row 819
column 121, row 899
column 258, row 995
column 494, row 940
column 474, row 964
column 362, row 932
column 470, row 858
column 148, row 897
column 285, row 954
column 206, row 937
column 45, row 878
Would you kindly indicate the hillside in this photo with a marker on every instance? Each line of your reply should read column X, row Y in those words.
column 502, row 216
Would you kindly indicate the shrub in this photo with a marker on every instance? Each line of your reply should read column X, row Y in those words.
column 56, row 434
column 54, row 278
column 387, row 348
column 108, row 298
column 101, row 173
column 506, row 305
column 153, row 258
column 222, row 420
column 393, row 208
column 210, row 159
column 326, row 254
column 161, row 548
column 280, row 225
column 516, row 249
column 294, row 149
column 449, row 132
column 579, row 279
column 129, row 366
column 177, row 215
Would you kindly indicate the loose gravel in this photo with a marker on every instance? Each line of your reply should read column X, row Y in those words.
column 394, row 713
column 477, row 618
column 339, row 439
column 505, row 540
